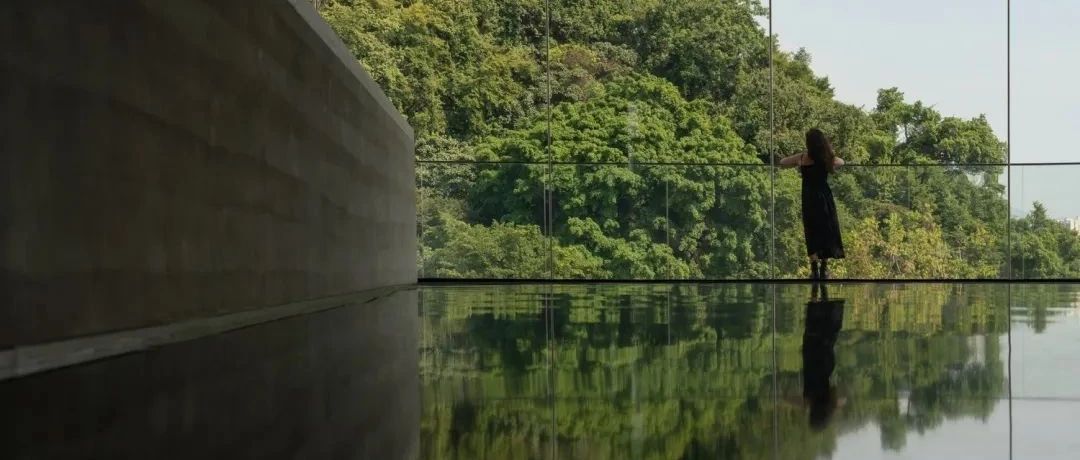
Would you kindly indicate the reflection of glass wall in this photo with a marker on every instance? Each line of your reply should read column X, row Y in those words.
column 632, row 139
column 702, row 371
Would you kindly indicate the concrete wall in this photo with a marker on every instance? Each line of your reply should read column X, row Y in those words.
column 339, row 384
column 169, row 160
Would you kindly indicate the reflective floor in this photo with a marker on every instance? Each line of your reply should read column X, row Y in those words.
column 337, row 384
column 684, row 371
column 959, row 371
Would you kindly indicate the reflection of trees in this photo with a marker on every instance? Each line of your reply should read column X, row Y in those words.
column 633, row 377
column 1035, row 304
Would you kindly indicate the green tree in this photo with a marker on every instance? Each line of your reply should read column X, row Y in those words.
column 440, row 62
column 1044, row 247
column 649, row 221
column 675, row 82
column 502, row 250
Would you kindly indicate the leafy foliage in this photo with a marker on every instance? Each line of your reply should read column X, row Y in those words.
column 645, row 160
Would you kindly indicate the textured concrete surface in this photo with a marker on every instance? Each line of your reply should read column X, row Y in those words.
column 164, row 161
column 343, row 383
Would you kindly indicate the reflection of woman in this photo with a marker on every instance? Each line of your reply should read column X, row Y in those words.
column 824, row 318
column 820, row 224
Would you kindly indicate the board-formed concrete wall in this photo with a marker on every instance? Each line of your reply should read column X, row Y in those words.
column 170, row 160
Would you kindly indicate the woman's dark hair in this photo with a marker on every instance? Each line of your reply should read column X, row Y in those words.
column 819, row 149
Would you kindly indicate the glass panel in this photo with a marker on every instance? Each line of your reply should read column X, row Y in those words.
column 643, row 91
column 962, row 233
column 608, row 223
column 482, row 221
column 650, row 222
column 907, row 222
column 1045, row 99
column 843, row 67
column 1045, row 222
column 659, row 82
column 719, row 220
column 891, row 83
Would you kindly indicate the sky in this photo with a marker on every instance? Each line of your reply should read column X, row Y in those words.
column 1042, row 413
column 951, row 54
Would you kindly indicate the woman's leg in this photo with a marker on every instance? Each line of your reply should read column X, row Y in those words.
column 823, row 268
column 814, row 266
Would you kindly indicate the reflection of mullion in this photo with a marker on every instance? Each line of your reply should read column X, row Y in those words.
column 668, row 319
column 549, row 331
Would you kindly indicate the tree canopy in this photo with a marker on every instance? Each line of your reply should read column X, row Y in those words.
column 647, row 163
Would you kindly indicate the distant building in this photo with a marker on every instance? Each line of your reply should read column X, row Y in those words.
column 1073, row 223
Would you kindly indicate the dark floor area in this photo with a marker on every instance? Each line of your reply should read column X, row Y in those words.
column 641, row 371
column 332, row 385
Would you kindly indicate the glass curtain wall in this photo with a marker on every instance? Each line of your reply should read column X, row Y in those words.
column 915, row 99
column 1045, row 116
column 635, row 139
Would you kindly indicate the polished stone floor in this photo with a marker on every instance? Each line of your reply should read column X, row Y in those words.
column 337, row 384
column 606, row 371
column 919, row 371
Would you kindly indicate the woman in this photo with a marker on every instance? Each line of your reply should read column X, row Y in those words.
column 821, row 398
column 820, row 224
column 824, row 319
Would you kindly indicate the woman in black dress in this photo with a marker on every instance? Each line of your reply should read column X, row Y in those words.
column 820, row 224
column 824, row 319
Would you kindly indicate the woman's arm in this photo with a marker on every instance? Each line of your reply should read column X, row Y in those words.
column 793, row 161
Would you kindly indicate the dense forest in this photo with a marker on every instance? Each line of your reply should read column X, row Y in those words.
column 682, row 371
column 631, row 139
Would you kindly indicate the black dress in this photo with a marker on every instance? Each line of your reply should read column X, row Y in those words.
column 824, row 319
column 821, row 227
